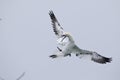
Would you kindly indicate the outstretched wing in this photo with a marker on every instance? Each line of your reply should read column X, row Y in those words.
column 94, row 56
column 99, row 58
column 56, row 25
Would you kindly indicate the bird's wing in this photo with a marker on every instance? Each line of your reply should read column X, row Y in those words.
column 56, row 25
column 93, row 56
column 99, row 58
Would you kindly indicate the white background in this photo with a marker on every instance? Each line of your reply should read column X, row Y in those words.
column 27, row 39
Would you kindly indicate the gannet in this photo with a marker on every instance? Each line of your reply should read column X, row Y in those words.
column 69, row 47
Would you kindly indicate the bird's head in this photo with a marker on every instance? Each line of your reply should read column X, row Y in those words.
column 66, row 34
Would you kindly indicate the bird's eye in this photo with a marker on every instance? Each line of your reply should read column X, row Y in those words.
column 63, row 35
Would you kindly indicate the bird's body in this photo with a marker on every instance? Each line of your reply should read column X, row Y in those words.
column 68, row 46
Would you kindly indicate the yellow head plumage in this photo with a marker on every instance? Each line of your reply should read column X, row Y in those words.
column 67, row 34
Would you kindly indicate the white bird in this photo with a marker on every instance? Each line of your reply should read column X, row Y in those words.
column 69, row 46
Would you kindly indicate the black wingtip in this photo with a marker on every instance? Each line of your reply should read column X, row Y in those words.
column 52, row 16
column 50, row 12
column 103, row 60
column 108, row 59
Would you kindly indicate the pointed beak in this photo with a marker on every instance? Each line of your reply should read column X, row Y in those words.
column 64, row 36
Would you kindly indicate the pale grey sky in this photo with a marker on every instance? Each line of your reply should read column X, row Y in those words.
column 27, row 39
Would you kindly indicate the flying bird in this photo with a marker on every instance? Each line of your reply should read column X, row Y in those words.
column 68, row 46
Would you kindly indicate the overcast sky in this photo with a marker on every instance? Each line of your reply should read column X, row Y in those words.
column 27, row 39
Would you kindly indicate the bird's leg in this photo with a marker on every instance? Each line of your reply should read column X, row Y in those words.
column 57, row 55
column 59, row 49
column 53, row 56
column 60, row 54
column 77, row 54
column 67, row 55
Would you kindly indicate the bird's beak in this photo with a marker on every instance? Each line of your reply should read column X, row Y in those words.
column 64, row 36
